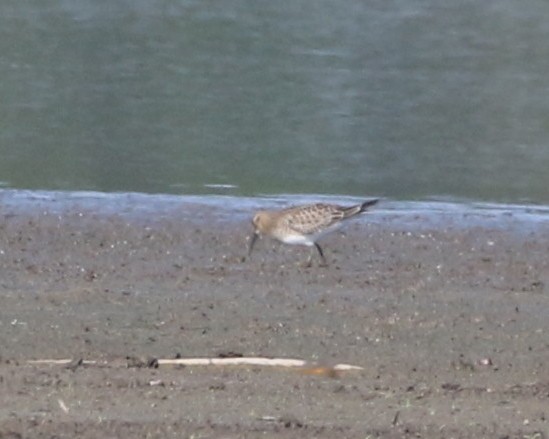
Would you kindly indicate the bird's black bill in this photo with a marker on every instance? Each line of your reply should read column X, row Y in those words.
column 253, row 239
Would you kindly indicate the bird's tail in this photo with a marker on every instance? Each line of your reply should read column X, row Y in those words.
column 359, row 208
column 364, row 206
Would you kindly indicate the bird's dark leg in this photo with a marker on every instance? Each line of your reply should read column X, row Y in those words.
column 321, row 253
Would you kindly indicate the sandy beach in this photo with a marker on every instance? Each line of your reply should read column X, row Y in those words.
column 446, row 312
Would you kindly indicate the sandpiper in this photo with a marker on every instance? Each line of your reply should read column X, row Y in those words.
column 303, row 225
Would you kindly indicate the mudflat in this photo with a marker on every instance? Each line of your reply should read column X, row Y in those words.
column 447, row 314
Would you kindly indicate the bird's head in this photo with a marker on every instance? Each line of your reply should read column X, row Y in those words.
column 261, row 223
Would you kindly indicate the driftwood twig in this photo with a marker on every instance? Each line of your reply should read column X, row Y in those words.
column 302, row 365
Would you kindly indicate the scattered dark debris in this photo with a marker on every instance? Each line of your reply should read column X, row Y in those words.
column 136, row 362
column 230, row 354
column 75, row 364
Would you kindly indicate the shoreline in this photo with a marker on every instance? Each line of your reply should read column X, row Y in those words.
column 445, row 310
column 238, row 207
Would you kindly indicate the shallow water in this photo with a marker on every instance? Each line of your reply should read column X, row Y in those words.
column 415, row 215
column 411, row 100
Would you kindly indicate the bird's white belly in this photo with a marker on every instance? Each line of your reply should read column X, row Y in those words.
column 297, row 239
column 308, row 240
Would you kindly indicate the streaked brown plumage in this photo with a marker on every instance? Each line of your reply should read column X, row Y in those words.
column 303, row 224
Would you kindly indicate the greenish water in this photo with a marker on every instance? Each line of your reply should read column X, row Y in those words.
column 405, row 99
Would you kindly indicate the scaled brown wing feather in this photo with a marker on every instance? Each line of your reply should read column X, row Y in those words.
column 314, row 218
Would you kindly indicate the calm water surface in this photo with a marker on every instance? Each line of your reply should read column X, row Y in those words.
column 405, row 99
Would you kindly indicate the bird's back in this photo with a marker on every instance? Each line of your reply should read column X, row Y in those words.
column 314, row 218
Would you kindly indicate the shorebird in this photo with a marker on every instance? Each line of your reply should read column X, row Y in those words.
column 303, row 225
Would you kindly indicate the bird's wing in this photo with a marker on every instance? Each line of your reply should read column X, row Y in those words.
column 314, row 218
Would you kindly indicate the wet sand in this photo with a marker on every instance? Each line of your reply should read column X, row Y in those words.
column 447, row 313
